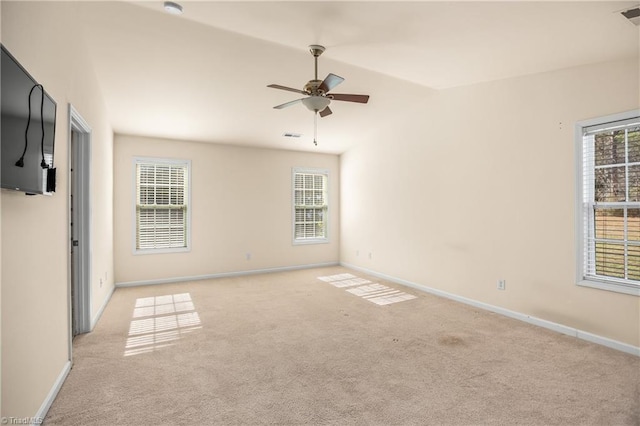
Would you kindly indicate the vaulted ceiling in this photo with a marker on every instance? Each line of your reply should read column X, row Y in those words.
column 203, row 75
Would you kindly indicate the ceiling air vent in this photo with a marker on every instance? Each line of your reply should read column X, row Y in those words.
column 633, row 15
column 292, row 135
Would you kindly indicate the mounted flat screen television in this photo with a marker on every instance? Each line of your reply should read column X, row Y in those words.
column 27, row 130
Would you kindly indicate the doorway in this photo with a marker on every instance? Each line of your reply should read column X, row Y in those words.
column 79, row 225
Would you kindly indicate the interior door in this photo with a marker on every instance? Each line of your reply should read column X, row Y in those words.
column 75, row 275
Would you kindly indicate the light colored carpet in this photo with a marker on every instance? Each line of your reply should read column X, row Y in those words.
column 290, row 349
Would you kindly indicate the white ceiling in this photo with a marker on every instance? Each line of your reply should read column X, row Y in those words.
column 203, row 75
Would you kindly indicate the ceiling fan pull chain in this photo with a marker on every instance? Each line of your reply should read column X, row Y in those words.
column 315, row 128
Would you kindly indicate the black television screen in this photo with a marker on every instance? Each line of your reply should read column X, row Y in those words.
column 22, row 130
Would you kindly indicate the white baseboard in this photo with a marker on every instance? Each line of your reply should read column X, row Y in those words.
column 223, row 275
column 98, row 314
column 44, row 408
column 560, row 328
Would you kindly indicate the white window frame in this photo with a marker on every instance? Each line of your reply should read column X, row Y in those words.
column 327, row 190
column 170, row 161
column 584, row 196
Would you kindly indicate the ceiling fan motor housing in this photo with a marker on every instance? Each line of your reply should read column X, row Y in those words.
column 312, row 87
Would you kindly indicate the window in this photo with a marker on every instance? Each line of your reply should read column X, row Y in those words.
column 162, row 201
column 310, row 205
column 609, row 208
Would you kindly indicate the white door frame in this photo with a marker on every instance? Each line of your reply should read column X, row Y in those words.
column 83, row 224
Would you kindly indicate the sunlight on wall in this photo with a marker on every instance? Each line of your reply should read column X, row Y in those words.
column 159, row 321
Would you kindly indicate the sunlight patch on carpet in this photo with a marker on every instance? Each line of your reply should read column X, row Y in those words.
column 159, row 321
column 373, row 292
column 338, row 277
column 391, row 298
column 349, row 282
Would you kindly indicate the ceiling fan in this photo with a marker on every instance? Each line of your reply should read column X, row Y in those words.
column 317, row 97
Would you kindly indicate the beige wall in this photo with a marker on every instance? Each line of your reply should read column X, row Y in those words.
column 473, row 185
column 35, row 330
column 479, row 185
column 241, row 203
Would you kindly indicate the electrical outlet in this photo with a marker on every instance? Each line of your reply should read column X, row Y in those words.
column 370, row 255
column 248, row 256
column 357, row 252
column 100, row 282
column 502, row 284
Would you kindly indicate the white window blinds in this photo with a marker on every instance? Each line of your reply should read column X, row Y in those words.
column 611, row 202
column 161, row 204
column 310, row 205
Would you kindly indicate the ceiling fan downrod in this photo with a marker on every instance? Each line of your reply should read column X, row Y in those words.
column 316, row 50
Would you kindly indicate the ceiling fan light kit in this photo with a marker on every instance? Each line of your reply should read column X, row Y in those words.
column 317, row 91
column 316, row 103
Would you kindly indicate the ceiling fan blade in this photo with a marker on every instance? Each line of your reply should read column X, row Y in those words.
column 363, row 99
column 288, row 104
column 289, row 89
column 330, row 82
column 325, row 112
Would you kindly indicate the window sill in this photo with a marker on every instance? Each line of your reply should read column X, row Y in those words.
column 310, row 241
column 161, row 251
column 611, row 286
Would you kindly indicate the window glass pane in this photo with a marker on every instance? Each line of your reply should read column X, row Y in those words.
column 146, row 217
column 633, row 249
column 146, row 174
column 176, row 197
column 146, row 195
column 308, row 181
column 610, row 148
column 177, row 176
column 634, row 183
column 610, row 259
column 609, row 224
column 177, row 217
column 633, row 140
column 308, row 230
column 633, row 225
column 162, row 195
column 610, row 185
column 633, row 262
column 162, row 217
